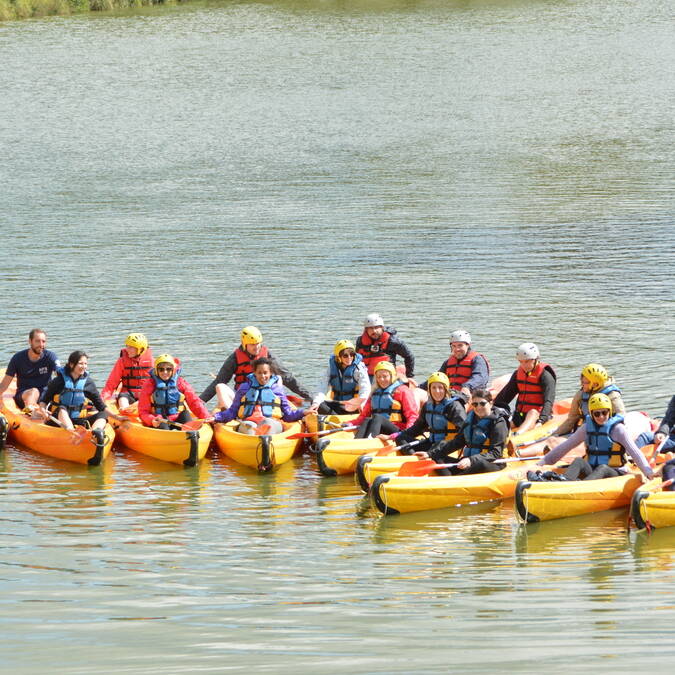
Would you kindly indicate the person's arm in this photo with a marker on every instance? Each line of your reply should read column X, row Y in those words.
column 618, row 407
column 551, row 457
column 10, row 373
column 548, row 387
column 412, row 432
column 232, row 412
column 456, row 413
column 479, row 374
column 363, row 380
column 289, row 379
column 224, row 376
column 619, row 434
column 194, row 402
column 113, row 380
column 54, row 387
column 398, row 347
column 145, row 403
column 573, row 417
column 668, row 421
column 91, row 392
column 288, row 413
column 507, row 393
column 365, row 414
column 441, row 451
column 410, row 409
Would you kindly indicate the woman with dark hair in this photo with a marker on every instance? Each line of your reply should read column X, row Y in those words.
column 67, row 394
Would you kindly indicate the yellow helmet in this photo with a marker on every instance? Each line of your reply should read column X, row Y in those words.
column 387, row 365
column 137, row 340
column 165, row 358
column 250, row 335
column 599, row 402
column 341, row 345
column 595, row 374
column 439, row 377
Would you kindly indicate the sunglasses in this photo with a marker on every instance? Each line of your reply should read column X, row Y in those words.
column 347, row 355
column 600, row 413
column 164, row 369
column 480, row 404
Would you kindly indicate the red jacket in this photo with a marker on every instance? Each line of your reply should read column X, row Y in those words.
column 409, row 408
column 130, row 372
column 193, row 401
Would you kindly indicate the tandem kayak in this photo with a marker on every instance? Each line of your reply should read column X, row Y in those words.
column 263, row 453
column 186, row 448
column 338, row 454
column 54, row 441
column 536, row 501
column 394, row 494
column 652, row 508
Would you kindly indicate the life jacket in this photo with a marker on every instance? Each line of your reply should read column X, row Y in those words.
column 260, row 397
column 167, row 399
column 585, row 395
column 440, row 427
column 530, row 391
column 135, row 371
column 373, row 351
column 459, row 371
column 342, row 381
column 382, row 402
column 72, row 396
column 244, row 365
column 600, row 448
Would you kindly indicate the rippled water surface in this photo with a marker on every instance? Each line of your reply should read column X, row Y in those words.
column 502, row 166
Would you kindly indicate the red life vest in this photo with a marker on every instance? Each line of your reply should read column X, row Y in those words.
column 245, row 363
column 373, row 351
column 135, row 371
column 459, row 372
column 530, row 391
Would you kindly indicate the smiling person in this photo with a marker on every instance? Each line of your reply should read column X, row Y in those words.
column 129, row 372
column 346, row 378
column 466, row 369
column 391, row 407
column 261, row 401
column 166, row 398
column 607, row 443
column 33, row 369
column 481, row 438
column 378, row 344
column 67, row 394
column 534, row 385
column 239, row 364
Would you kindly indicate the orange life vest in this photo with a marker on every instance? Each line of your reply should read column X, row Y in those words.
column 530, row 391
column 459, row 372
column 373, row 351
column 245, row 363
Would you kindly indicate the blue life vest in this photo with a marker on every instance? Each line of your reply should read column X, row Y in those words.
column 585, row 395
column 343, row 382
column 72, row 396
column 600, row 448
column 477, row 434
column 166, row 398
column 382, row 402
column 260, row 395
column 440, row 427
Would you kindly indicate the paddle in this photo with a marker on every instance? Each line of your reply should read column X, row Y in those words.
column 388, row 449
column 78, row 434
column 327, row 432
column 425, row 466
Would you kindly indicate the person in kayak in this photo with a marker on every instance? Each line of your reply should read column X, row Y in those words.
column 166, row 400
column 33, row 369
column 129, row 372
column 66, row 396
column 534, row 385
column 261, row 401
column 239, row 364
column 346, row 378
column 466, row 369
column 391, row 407
column 594, row 380
column 442, row 415
column 607, row 442
column 378, row 344
column 481, row 439
column 664, row 436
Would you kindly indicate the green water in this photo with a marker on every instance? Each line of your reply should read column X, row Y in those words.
column 506, row 167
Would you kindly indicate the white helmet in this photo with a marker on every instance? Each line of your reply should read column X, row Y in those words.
column 528, row 350
column 460, row 336
column 373, row 320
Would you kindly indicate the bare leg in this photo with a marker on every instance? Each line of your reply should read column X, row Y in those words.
column 528, row 423
column 224, row 395
column 64, row 418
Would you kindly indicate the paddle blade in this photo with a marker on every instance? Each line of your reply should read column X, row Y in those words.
column 420, row 468
column 193, row 425
column 263, row 430
column 386, row 450
column 78, row 435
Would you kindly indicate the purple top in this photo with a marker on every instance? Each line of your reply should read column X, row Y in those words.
column 618, row 434
column 288, row 414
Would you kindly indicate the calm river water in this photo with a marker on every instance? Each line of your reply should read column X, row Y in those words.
column 501, row 166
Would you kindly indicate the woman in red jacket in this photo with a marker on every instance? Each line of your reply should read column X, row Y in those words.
column 129, row 372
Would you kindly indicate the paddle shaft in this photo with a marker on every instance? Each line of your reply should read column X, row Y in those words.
column 327, row 432
column 504, row 460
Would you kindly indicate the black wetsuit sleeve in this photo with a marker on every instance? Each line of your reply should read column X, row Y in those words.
column 92, row 393
column 399, row 348
column 507, row 394
column 668, row 421
column 54, row 387
column 224, row 376
column 419, row 427
column 456, row 413
column 548, row 388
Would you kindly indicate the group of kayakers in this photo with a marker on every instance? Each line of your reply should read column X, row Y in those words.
column 361, row 377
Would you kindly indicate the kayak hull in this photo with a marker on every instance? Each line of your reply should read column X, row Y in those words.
column 394, row 494
column 263, row 453
column 539, row 501
column 337, row 454
column 653, row 509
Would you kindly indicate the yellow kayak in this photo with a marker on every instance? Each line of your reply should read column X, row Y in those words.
column 394, row 494
column 370, row 466
column 54, row 441
column 549, row 500
column 652, row 508
column 338, row 453
column 186, row 448
column 263, row 453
